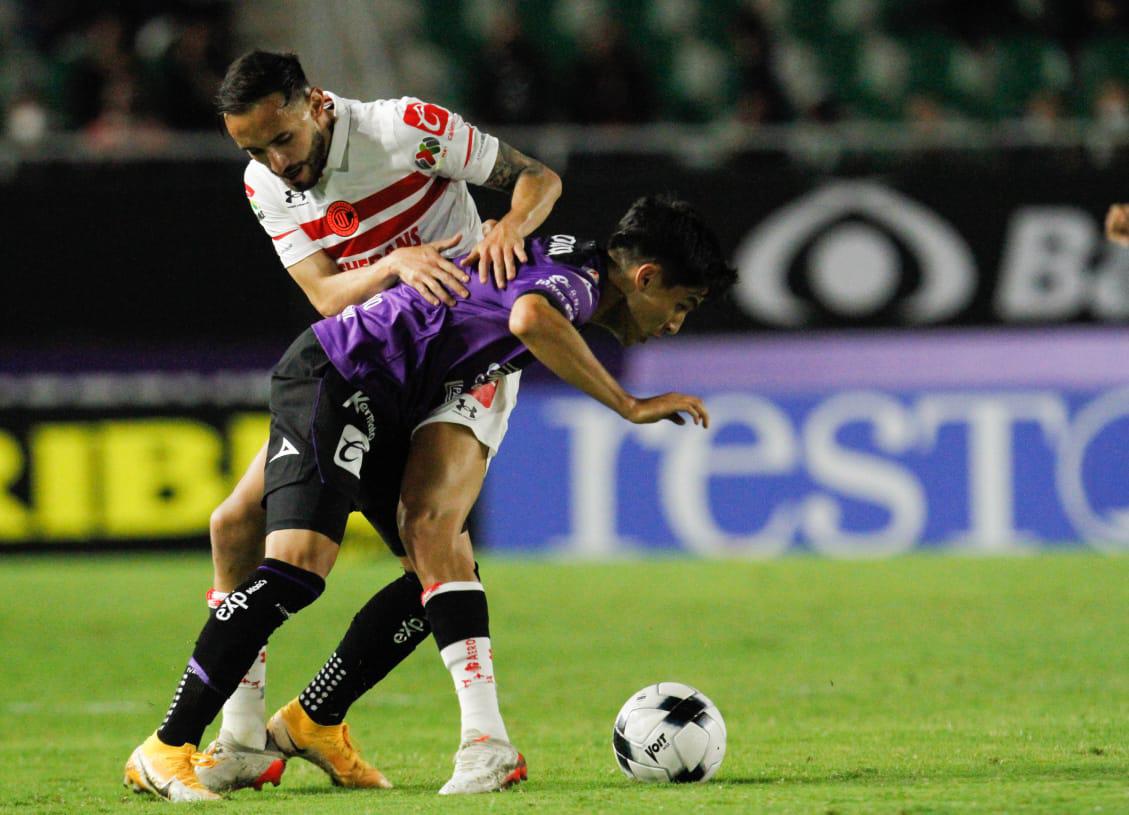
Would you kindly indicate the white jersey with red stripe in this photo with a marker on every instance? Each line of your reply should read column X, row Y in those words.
column 396, row 175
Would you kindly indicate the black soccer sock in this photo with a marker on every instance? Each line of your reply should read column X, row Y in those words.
column 457, row 611
column 381, row 636
column 230, row 641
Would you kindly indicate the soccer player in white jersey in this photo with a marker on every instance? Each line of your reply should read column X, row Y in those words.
column 356, row 197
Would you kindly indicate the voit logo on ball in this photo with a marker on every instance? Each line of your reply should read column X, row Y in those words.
column 854, row 250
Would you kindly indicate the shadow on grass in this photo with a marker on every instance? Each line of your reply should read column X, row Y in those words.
column 299, row 792
column 1071, row 772
column 866, row 775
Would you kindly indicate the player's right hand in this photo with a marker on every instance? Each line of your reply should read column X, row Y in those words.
column 669, row 406
column 426, row 270
column 1117, row 224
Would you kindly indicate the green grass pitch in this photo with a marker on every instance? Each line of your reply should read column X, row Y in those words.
column 923, row 684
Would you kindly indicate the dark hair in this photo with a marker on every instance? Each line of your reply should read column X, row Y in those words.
column 255, row 76
column 670, row 232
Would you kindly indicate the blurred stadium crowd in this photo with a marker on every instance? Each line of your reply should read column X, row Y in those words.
column 136, row 70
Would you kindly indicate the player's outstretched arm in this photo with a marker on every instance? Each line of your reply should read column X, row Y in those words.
column 422, row 267
column 554, row 341
column 534, row 188
column 1117, row 224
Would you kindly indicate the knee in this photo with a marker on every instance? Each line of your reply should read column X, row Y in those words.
column 424, row 521
column 417, row 523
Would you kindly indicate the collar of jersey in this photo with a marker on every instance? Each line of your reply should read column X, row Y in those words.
column 340, row 140
column 600, row 261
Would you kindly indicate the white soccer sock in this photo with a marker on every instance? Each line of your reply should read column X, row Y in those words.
column 471, row 663
column 245, row 711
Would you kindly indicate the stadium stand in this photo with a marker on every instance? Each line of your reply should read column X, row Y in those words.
column 111, row 70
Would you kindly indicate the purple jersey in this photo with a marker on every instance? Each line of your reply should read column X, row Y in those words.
column 398, row 347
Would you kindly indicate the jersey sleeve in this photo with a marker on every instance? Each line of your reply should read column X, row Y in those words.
column 289, row 241
column 568, row 289
column 440, row 142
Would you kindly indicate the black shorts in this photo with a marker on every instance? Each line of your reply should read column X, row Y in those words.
column 329, row 450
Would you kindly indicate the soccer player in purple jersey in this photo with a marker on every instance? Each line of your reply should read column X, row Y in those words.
column 344, row 401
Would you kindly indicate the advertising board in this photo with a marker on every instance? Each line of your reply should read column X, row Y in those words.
column 845, row 445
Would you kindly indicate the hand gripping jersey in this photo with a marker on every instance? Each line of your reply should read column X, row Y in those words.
column 410, row 356
column 395, row 176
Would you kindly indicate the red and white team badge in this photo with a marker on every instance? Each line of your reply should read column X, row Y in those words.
column 427, row 117
column 342, row 218
column 484, row 393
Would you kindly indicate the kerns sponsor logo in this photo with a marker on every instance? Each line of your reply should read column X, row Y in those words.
column 855, row 249
column 360, row 403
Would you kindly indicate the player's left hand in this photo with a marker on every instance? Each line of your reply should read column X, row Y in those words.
column 500, row 250
column 668, row 407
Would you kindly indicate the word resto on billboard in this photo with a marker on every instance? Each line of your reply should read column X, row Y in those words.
column 846, row 446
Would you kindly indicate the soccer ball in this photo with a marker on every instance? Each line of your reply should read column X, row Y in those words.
column 669, row 732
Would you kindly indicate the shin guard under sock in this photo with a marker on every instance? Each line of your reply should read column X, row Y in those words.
column 381, row 636
column 244, row 716
column 229, row 642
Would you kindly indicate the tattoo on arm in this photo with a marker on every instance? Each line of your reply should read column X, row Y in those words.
column 509, row 166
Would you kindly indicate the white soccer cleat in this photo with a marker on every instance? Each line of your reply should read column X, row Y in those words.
column 167, row 772
column 235, row 766
column 484, row 764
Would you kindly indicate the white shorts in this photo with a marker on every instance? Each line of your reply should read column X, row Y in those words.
column 485, row 409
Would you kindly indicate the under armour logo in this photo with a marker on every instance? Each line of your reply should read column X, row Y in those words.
column 466, row 409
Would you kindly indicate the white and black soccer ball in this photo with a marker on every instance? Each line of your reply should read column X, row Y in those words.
column 669, row 732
